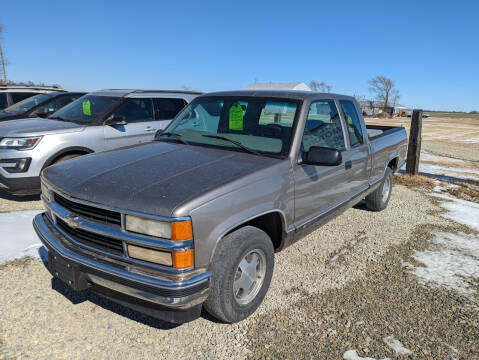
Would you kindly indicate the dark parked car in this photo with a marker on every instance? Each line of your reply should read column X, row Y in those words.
column 40, row 105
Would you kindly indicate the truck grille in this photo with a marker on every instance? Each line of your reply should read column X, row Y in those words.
column 89, row 212
column 100, row 242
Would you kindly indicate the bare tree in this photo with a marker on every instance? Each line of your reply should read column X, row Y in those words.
column 384, row 89
column 321, row 86
column 314, row 85
column 3, row 62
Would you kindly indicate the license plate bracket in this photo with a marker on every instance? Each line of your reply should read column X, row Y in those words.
column 68, row 272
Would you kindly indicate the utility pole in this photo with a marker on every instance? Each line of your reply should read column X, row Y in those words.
column 3, row 72
column 414, row 148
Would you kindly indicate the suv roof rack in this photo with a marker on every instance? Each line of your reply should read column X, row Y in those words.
column 131, row 91
column 27, row 87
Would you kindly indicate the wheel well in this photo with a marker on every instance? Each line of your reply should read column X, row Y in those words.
column 69, row 152
column 393, row 164
column 271, row 224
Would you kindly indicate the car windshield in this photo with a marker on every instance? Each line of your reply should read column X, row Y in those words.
column 27, row 104
column 252, row 124
column 86, row 109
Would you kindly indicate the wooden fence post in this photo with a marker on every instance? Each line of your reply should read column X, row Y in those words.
column 414, row 148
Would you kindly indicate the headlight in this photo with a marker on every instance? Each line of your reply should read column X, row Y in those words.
column 20, row 143
column 178, row 230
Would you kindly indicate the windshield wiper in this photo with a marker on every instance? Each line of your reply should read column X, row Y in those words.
column 237, row 143
column 177, row 136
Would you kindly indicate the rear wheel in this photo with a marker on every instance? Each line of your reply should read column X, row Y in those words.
column 378, row 200
column 242, row 268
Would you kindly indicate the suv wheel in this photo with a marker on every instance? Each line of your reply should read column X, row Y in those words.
column 378, row 200
column 242, row 268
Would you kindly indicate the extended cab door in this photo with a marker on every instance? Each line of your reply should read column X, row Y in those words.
column 140, row 125
column 357, row 156
column 320, row 188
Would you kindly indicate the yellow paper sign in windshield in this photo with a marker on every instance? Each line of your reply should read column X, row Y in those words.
column 86, row 107
column 236, row 117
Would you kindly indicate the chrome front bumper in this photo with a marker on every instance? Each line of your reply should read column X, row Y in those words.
column 180, row 291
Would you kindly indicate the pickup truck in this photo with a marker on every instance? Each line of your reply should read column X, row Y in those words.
column 194, row 218
column 98, row 121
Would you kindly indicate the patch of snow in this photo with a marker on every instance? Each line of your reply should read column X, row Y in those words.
column 353, row 355
column 18, row 239
column 461, row 211
column 396, row 345
column 453, row 263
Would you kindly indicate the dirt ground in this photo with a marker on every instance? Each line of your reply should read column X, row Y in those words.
column 398, row 284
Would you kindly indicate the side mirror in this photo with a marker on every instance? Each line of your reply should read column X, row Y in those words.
column 42, row 112
column 158, row 133
column 113, row 120
column 322, row 156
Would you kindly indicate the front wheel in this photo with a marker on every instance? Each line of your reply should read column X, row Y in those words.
column 242, row 268
column 378, row 200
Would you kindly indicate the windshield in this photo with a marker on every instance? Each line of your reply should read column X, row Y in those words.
column 253, row 124
column 86, row 109
column 27, row 104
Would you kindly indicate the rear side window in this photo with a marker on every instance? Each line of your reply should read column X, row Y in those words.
column 135, row 110
column 323, row 127
column 3, row 101
column 352, row 122
column 16, row 97
column 167, row 109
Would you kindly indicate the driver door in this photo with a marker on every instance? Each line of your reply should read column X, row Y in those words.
column 140, row 124
column 320, row 188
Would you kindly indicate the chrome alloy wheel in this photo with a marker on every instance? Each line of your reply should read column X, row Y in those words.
column 386, row 189
column 249, row 276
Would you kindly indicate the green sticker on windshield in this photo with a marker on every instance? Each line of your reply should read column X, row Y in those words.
column 236, row 117
column 86, row 107
column 35, row 101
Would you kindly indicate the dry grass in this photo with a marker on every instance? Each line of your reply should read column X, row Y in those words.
column 414, row 181
column 464, row 192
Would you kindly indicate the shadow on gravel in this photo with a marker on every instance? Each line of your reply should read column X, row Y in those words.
column 77, row 297
column 7, row 196
column 361, row 206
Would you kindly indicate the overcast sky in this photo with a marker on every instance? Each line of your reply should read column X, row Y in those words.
column 429, row 48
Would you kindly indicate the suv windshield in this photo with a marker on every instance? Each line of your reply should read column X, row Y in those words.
column 252, row 124
column 27, row 104
column 86, row 109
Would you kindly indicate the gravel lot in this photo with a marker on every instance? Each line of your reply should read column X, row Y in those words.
column 342, row 288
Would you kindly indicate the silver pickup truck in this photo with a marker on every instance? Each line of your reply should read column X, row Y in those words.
column 194, row 218
column 98, row 121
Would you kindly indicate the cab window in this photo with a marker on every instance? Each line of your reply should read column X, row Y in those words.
column 3, row 101
column 323, row 127
column 352, row 122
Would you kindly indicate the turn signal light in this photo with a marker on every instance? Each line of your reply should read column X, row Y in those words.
column 183, row 259
column 181, row 230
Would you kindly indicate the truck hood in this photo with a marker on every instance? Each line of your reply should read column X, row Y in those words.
column 36, row 126
column 154, row 178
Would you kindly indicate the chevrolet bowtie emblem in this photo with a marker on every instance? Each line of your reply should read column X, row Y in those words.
column 72, row 221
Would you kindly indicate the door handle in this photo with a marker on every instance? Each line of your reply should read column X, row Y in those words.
column 348, row 164
column 149, row 129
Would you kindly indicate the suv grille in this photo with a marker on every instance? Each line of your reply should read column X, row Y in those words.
column 89, row 212
column 100, row 242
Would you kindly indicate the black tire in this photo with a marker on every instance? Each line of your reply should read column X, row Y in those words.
column 65, row 158
column 222, row 303
column 378, row 200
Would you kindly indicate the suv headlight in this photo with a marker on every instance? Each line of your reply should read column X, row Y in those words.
column 177, row 230
column 25, row 143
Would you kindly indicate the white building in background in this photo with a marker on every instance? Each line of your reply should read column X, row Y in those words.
column 301, row 86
